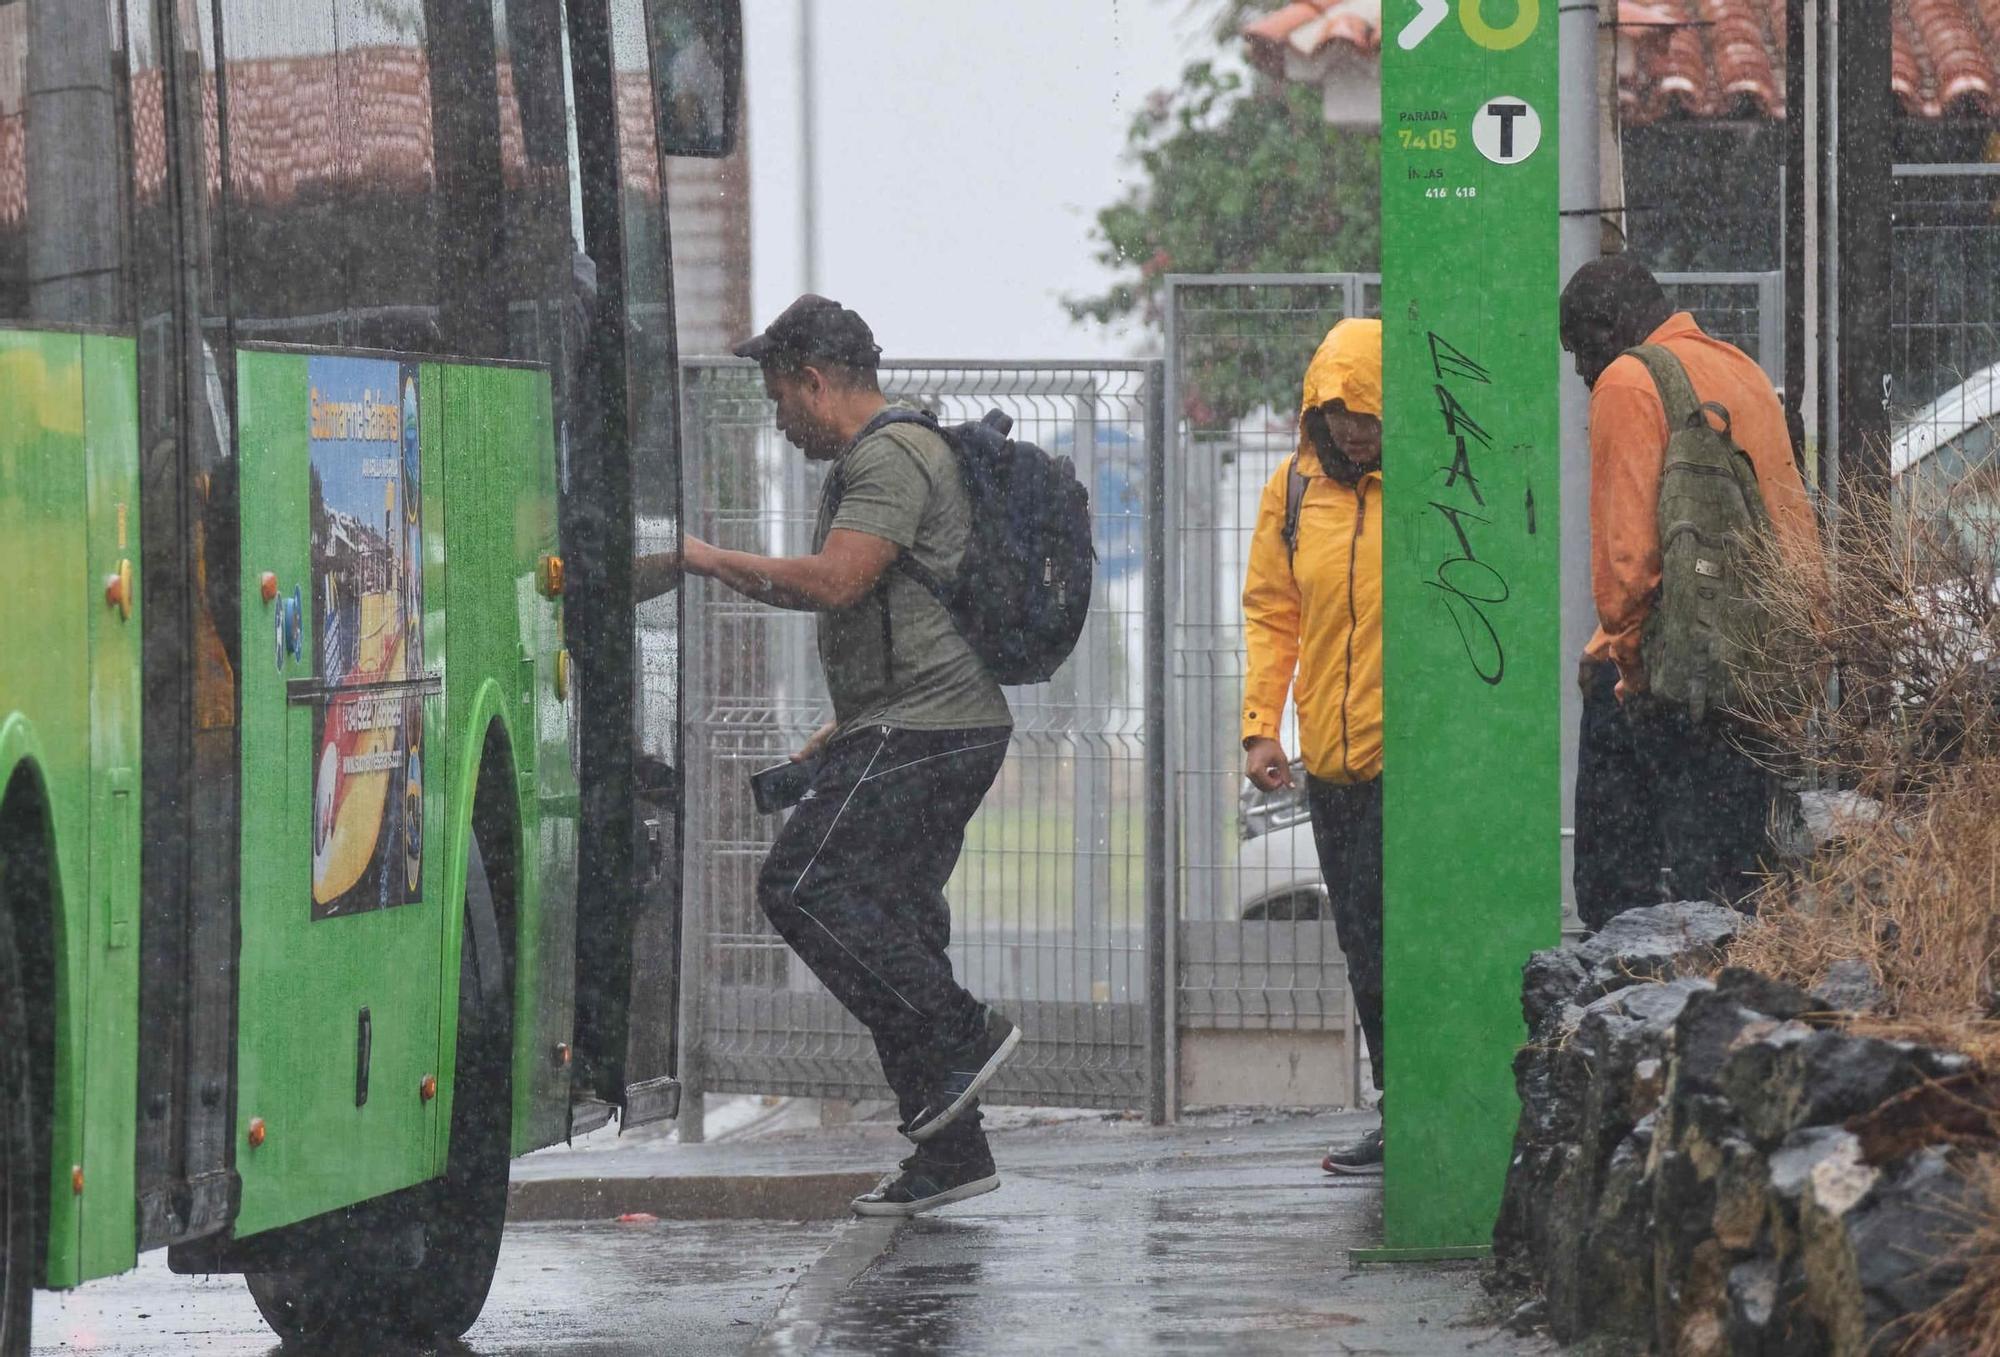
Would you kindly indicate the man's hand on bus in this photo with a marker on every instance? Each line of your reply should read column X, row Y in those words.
column 1265, row 764
column 814, row 746
column 837, row 576
column 655, row 574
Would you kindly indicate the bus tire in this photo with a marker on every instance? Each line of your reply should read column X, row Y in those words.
column 463, row 1213
column 20, row 1140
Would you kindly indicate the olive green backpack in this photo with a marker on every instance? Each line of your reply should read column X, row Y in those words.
column 1706, row 624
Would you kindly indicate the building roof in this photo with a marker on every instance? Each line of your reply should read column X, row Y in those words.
column 1716, row 59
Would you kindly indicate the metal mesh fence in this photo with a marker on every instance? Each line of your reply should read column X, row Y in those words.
column 1944, row 297
column 1049, row 899
column 1745, row 309
column 1256, row 947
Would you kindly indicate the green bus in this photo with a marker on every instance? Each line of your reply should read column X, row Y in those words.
column 338, row 779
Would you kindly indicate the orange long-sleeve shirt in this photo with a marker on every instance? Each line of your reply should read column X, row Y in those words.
column 1628, row 453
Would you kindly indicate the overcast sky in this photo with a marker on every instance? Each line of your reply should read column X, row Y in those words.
column 964, row 148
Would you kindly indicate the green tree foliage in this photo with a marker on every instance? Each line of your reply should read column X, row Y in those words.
column 1237, row 179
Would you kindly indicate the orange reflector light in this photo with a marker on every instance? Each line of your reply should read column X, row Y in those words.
column 76, row 1179
column 256, row 1132
column 550, row 576
column 562, row 1053
column 118, row 590
column 428, row 1089
column 268, row 586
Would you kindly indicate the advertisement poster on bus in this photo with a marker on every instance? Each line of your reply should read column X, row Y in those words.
column 367, row 610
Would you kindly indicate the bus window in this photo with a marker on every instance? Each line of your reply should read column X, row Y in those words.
column 62, row 165
column 696, row 51
column 398, row 175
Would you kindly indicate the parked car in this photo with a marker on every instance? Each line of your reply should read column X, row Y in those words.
column 1277, row 863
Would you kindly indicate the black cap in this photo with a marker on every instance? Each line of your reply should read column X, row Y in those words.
column 814, row 327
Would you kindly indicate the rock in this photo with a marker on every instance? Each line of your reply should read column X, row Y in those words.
column 1754, row 1076
column 1794, row 1162
column 1874, row 1244
column 1561, row 1238
column 1551, row 981
column 1753, row 1300
column 1528, row 1317
column 1719, row 1167
column 1655, row 943
column 1833, row 1076
column 1618, row 1281
column 1742, row 1191
column 1781, row 1076
column 1760, row 992
column 1618, row 1033
column 1848, row 987
column 1833, row 815
column 1707, row 1030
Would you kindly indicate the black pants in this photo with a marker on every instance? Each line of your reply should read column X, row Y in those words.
column 855, row 883
column 1347, row 831
column 1667, row 808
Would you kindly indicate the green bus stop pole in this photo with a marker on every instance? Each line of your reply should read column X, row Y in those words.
column 1472, row 613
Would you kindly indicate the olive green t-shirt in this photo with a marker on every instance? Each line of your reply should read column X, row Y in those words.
column 896, row 658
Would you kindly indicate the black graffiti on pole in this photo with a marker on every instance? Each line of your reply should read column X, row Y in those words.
column 1470, row 586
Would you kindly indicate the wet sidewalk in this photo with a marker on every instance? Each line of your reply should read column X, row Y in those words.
column 1219, row 1235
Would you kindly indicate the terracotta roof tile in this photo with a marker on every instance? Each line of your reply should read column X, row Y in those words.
column 283, row 136
column 1710, row 58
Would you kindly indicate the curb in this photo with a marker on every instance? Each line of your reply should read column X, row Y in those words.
column 778, row 1196
column 801, row 1318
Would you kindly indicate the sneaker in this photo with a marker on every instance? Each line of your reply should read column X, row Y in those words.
column 1362, row 1158
column 926, row 1184
column 959, row 1087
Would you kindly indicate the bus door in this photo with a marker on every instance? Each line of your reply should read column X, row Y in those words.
column 680, row 62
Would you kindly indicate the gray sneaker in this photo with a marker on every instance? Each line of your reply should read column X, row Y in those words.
column 926, row 1184
column 1363, row 1158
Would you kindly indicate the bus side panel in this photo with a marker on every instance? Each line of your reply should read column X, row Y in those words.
column 500, row 521
column 111, row 456
column 45, row 613
column 304, row 981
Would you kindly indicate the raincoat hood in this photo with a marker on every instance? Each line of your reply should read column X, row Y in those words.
column 1347, row 368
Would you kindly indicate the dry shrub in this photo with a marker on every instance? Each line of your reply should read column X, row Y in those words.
column 1900, row 623
column 1912, row 895
column 1968, row 1320
column 1881, row 675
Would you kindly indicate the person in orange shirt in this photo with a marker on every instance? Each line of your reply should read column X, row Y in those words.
column 1312, row 617
column 1667, row 808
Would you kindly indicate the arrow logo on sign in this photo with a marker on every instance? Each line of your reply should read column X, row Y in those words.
column 1430, row 13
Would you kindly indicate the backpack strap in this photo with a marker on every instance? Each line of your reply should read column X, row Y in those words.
column 1296, row 483
column 1684, row 409
column 895, row 414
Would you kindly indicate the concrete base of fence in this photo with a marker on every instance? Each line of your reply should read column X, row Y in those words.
column 1257, row 1068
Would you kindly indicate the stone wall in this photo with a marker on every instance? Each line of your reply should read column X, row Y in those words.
column 1714, row 1166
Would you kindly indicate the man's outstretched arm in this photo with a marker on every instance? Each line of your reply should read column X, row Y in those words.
column 838, row 576
column 655, row 574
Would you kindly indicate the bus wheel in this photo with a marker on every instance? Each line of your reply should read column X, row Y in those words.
column 18, row 1157
column 463, row 1213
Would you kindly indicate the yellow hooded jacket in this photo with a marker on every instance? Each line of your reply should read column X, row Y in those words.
column 1319, row 613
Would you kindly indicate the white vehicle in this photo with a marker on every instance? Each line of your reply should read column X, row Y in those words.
column 1277, row 864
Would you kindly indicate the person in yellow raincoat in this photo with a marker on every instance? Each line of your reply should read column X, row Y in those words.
column 1312, row 615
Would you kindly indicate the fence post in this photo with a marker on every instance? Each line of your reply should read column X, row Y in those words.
column 691, row 1021
column 1160, row 909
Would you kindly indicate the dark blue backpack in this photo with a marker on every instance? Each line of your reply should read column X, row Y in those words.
column 1023, row 589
